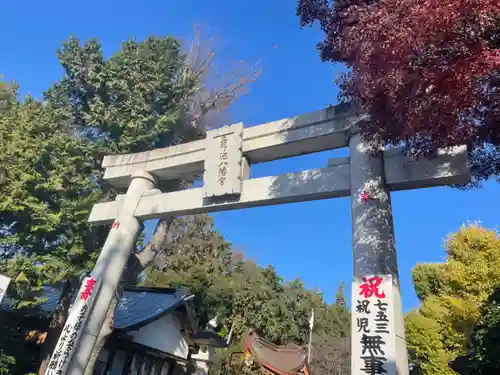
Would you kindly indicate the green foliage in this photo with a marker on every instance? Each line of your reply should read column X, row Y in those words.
column 331, row 346
column 47, row 192
column 486, row 337
column 241, row 294
column 484, row 353
column 18, row 356
column 50, row 174
column 6, row 362
column 452, row 295
column 7, row 94
column 424, row 337
column 202, row 254
column 427, row 279
column 134, row 101
column 340, row 315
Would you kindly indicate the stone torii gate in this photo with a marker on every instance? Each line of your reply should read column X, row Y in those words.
column 224, row 157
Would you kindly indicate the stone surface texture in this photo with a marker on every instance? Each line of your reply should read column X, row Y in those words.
column 373, row 242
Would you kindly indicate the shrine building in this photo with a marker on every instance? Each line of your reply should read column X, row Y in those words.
column 276, row 359
column 155, row 333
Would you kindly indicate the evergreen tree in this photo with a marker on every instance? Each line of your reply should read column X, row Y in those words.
column 47, row 191
column 484, row 351
column 197, row 257
column 134, row 101
column 331, row 349
column 244, row 296
column 341, row 313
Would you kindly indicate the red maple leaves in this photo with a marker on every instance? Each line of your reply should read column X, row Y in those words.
column 428, row 71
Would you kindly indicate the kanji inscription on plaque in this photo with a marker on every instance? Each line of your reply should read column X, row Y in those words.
column 223, row 164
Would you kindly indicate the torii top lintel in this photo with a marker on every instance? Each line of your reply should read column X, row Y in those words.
column 312, row 132
column 225, row 154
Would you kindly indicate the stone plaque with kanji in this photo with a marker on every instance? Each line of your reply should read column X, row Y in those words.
column 223, row 162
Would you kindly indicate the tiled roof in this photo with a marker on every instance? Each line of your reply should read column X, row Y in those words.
column 284, row 360
column 137, row 305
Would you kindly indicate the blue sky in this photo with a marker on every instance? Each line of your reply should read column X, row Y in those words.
column 311, row 240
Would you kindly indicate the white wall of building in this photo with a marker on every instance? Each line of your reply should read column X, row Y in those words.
column 163, row 334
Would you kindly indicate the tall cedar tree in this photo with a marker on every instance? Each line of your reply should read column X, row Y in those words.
column 331, row 349
column 46, row 192
column 428, row 72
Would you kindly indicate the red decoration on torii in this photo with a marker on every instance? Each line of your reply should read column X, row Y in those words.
column 365, row 197
column 371, row 287
column 87, row 291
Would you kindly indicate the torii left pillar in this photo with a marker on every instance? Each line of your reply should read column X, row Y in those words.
column 109, row 267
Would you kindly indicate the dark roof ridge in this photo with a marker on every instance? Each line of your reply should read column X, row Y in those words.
column 138, row 305
column 153, row 289
column 134, row 327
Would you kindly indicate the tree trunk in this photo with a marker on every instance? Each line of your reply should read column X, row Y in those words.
column 57, row 323
column 137, row 263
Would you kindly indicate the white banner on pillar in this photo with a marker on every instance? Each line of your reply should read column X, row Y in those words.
column 4, row 284
column 373, row 333
column 73, row 328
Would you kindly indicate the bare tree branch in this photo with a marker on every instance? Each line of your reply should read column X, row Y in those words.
column 228, row 88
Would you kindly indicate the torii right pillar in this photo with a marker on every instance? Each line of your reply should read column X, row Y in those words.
column 377, row 325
